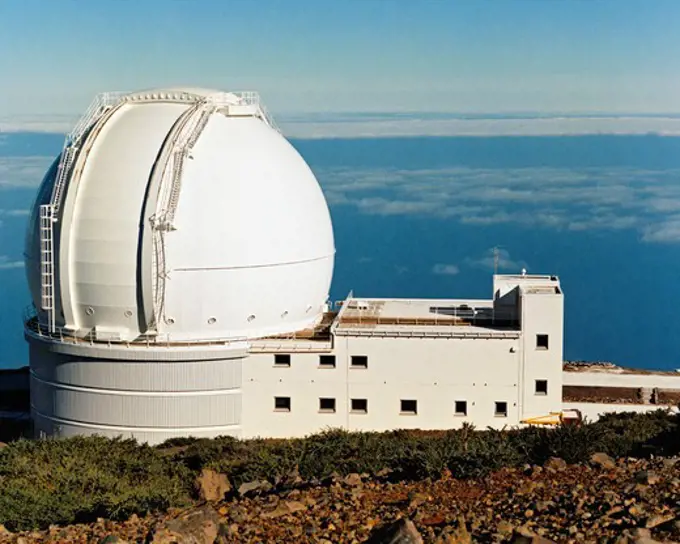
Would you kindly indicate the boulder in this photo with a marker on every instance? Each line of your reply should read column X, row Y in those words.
column 284, row 508
column 402, row 531
column 556, row 463
column 352, row 480
column 112, row 539
column 196, row 526
column 603, row 460
column 523, row 535
column 212, row 486
column 647, row 477
column 254, row 488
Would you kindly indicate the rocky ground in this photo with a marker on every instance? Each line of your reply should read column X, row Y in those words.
column 624, row 501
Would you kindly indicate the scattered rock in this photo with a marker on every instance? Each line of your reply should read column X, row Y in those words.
column 659, row 519
column 416, row 499
column 647, row 477
column 285, row 508
column 670, row 462
column 603, row 460
column 4, row 530
column 402, row 531
column 504, row 528
column 2, row 445
column 254, row 488
column 459, row 535
column 196, row 526
column 212, row 486
column 112, row 539
column 523, row 535
column 433, row 521
column 353, row 480
column 556, row 463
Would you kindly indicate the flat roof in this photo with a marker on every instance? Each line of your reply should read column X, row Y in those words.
column 417, row 317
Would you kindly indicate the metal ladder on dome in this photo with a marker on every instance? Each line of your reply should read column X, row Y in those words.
column 163, row 219
column 170, row 183
column 49, row 212
column 47, row 264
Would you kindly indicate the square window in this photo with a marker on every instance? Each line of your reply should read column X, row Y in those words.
column 359, row 406
column 327, row 405
column 359, row 361
column 282, row 404
column 326, row 361
column 501, row 409
column 541, row 341
column 282, row 359
column 409, row 407
column 541, row 387
column 460, row 408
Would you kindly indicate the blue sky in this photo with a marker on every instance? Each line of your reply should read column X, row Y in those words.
column 351, row 55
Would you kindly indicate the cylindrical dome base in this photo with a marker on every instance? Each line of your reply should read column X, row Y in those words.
column 149, row 394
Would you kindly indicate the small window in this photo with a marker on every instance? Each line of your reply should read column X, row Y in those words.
column 359, row 361
column 359, row 406
column 541, row 387
column 326, row 361
column 282, row 359
column 541, row 341
column 409, row 407
column 327, row 405
column 501, row 409
column 282, row 404
column 460, row 408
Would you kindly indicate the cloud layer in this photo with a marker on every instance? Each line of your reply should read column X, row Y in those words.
column 445, row 269
column 391, row 125
column 22, row 172
column 7, row 264
column 577, row 199
column 387, row 124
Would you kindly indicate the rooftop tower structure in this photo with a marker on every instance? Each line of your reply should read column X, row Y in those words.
column 175, row 226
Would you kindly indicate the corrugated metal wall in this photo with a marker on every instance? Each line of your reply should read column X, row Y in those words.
column 149, row 401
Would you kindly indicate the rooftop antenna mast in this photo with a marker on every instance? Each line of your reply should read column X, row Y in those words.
column 495, row 260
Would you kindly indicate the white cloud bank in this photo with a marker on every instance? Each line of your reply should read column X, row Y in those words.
column 23, row 172
column 393, row 125
column 369, row 125
column 445, row 269
column 577, row 199
column 7, row 264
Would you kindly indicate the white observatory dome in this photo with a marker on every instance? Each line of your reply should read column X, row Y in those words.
column 179, row 215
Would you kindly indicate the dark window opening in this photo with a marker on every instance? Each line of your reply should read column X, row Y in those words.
column 460, row 408
column 409, row 406
column 327, row 361
column 326, row 405
column 541, row 387
column 541, row 341
column 359, row 406
column 282, row 359
column 501, row 409
column 359, row 361
column 282, row 404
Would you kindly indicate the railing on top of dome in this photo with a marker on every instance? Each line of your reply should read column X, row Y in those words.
column 253, row 98
column 99, row 106
column 33, row 325
column 49, row 213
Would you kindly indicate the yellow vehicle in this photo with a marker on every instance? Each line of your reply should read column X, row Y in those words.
column 565, row 417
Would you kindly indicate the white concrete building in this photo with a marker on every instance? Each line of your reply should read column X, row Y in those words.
column 418, row 364
column 179, row 255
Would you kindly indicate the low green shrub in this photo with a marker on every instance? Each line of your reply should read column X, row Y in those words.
column 45, row 482
column 79, row 479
